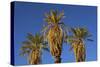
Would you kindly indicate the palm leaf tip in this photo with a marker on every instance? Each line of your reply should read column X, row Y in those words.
column 90, row 40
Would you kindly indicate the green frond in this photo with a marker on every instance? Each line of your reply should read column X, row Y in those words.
column 74, row 31
column 80, row 32
column 48, row 18
column 33, row 42
column 69, row 40
column 25, row 49
column 60, row 16
column 53, row 16
column 38, row 39
column 30, row 37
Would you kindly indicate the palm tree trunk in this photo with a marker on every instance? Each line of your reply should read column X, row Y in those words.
column 34, row 57
column 79, row 52
column 82, row 53
column 55, row 37
column 57, row 59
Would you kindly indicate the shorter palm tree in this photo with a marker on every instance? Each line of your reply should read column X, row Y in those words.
column 33, row 47
column 77, row 42
column 55, row 32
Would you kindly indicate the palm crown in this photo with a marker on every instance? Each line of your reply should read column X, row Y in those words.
column 33, row 47
column 54, row 19
column 77, row 42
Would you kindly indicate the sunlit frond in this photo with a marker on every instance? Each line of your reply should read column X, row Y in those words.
column 60, row 16
column 53, row 17
column 81, row 33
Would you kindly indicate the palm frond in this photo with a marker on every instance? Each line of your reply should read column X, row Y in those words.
column 45, row 28
column 81, row 32
column 74, row 31
column 30, row 37
column 24, row 52
column 48, row 18
column 53, row 16
column 69, row 40
column 60, row 16
column 89, row 39
column 25, row 49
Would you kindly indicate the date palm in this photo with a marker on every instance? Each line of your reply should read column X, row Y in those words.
column 54, row 32
column 33, row 47
column 77, row 42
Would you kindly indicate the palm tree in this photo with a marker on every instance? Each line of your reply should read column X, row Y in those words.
column 54, row 32
column 33, row 47
column 77, row 42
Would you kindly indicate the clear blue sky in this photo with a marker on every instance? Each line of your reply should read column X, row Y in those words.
column 29, row 18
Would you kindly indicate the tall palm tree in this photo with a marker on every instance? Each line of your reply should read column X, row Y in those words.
column 55, row 31
column 77, row 42
column 33, row 47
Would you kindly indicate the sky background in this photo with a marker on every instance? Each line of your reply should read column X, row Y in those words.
column 28, row 17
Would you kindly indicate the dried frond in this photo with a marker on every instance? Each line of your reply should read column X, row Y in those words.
column 33, row 47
